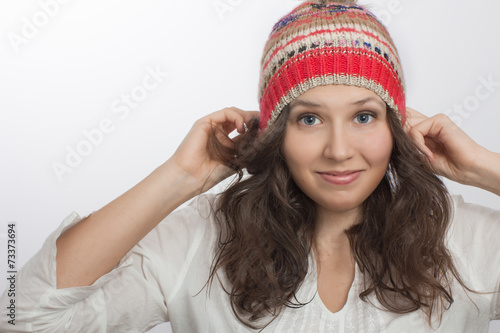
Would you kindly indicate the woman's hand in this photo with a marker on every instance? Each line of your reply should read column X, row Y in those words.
column 452, row 153
column 195, row 156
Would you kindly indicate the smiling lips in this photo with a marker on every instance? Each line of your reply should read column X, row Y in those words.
column 340, row 178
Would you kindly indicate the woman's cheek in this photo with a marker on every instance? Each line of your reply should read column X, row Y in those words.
column 378, row 146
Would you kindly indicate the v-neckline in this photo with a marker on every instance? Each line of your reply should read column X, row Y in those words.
column 313, row 275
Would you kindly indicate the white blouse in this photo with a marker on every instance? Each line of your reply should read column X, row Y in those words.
column 162, row 278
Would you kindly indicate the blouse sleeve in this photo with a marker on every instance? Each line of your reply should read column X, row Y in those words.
column 475, row 241
column 133, row 297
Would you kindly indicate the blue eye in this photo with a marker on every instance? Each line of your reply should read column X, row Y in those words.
column 364, row 118
column 309, row 120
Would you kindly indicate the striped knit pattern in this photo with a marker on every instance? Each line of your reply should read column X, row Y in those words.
column 321, row 44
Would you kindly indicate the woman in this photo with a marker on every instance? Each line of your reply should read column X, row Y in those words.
column 341, row 225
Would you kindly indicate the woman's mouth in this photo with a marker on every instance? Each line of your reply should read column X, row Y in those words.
column 340, row 177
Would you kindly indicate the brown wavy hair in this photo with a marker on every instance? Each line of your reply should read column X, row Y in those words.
column 267, row 225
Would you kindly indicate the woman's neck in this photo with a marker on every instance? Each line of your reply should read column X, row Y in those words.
column 330, row 238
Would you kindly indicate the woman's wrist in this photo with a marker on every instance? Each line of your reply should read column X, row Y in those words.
column 485, row 173
column 179, row 185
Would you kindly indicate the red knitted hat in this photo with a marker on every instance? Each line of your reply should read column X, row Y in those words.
column 321, row 43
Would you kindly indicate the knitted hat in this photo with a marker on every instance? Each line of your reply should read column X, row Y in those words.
column 325, row 42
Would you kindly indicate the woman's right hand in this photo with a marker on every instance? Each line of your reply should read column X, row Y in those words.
column 196, row 158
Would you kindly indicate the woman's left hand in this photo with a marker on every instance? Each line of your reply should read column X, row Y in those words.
column 452, row 153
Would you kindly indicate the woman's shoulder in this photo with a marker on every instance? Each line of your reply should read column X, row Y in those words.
column 472, row 222
column 470, row 215
column 473, row 237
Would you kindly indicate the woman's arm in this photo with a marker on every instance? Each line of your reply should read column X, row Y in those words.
column 94, row 246
column 486, row 172
column 452, row 153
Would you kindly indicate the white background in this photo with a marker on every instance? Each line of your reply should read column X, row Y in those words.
column 69, row 74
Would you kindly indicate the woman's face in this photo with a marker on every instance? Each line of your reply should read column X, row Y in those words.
column 337, row 145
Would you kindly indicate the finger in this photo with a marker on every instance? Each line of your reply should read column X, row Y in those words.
column 438, row 129
column 419, row 140
column 430, row 127
column 247, row 116
column 413, row 117
column 228, row 119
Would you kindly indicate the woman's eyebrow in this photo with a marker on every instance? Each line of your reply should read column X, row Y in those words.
column 368, row 99
column 298, row 102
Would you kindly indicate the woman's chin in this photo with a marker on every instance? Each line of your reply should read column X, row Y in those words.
column 340, row 205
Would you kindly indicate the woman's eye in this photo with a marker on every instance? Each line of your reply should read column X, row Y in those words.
column 364, row 118
column 309, row 120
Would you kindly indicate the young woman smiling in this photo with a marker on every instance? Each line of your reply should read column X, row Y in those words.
column 342, row 224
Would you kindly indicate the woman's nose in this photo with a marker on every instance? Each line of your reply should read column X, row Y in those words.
column 338, row 144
